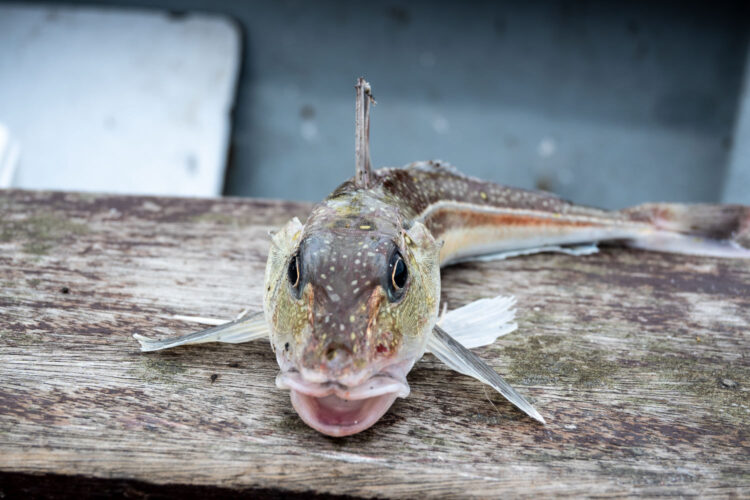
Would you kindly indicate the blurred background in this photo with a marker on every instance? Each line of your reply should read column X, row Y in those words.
column 607, row 103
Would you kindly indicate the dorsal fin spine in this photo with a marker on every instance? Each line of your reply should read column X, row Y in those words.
column 363, row 173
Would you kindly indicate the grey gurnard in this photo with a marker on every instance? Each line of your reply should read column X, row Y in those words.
column 352, row 297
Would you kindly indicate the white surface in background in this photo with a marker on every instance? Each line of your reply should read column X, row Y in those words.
column 9, row 151
column 118, row 101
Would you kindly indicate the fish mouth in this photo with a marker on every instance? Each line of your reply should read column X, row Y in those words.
column 338, row 410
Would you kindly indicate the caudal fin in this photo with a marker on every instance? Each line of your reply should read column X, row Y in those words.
column 715, row 230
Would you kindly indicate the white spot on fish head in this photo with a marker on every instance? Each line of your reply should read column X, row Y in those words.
column 340, row 296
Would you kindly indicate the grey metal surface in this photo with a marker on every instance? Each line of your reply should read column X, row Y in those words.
column 737, row 180
column 607, row 103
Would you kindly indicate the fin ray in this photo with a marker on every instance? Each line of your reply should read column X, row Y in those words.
column 460, row 359
column 481, row 322
column 250, row 326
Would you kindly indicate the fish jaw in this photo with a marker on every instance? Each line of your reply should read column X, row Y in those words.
column 338, row 417
column 338, row 410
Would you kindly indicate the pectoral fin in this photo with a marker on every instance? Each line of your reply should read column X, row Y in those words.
column 459, row 358
column 248, row 327
column 481, row 322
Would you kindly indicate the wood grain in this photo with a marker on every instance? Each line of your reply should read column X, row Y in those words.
column 638, row 361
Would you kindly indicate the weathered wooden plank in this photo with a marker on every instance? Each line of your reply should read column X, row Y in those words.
column 638, row 361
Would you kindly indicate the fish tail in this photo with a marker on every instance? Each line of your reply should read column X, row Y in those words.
column 700, row 229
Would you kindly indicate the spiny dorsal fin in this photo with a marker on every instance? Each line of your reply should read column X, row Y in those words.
column 363, row 174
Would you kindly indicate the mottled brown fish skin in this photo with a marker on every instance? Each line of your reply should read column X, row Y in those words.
column 343, row 326
column 419, row 185
column 475, row 217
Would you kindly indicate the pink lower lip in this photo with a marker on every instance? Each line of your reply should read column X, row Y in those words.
column 337, row 410
column 335, row 416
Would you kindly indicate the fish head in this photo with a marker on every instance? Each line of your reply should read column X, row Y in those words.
column 351, row 302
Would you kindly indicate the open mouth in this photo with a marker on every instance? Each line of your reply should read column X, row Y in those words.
column 337, row 410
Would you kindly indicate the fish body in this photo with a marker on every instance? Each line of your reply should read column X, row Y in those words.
column 352, row 296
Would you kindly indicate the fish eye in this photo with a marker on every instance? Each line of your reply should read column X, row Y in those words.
column 293, row 273
column 397, row 276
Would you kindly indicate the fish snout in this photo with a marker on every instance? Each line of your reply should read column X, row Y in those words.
column 340, row 342
column 330, row 356
column 337, row 355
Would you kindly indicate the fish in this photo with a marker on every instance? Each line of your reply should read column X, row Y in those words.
column 352, row 296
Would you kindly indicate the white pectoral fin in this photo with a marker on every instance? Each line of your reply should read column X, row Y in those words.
column 460, row 359
column 481, row 322
column 248, row 327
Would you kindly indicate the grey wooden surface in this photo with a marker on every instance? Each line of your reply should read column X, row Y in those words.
column 638, row 361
